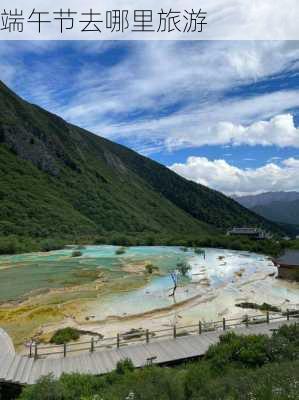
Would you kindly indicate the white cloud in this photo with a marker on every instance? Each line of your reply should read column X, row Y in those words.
column 143, row 85
column 163, row 94
column 279, row 130
column 200, row 72
column 222, row 176
column 209, row 125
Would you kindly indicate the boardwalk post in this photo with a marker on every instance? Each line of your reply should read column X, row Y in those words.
column 147, row 336
column 246, row 321
column 118, row 341
column 268, row 317
column 64, row 349
column 288, row 315
column 174, row 331
column 223, row 324
column 35, row 351
column 92, row 345
column 30, row 350
column 199, row 328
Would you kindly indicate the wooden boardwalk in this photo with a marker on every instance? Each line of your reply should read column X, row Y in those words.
column 27, row 370
column 6, row 344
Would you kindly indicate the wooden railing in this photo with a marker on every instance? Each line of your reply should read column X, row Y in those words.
column 146, row 336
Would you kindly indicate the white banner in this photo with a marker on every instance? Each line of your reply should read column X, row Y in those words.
column 149, row 20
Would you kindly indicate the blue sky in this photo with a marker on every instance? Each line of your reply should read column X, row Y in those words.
column 225, row 114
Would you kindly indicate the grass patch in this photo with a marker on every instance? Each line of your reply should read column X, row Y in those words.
column 65, row 335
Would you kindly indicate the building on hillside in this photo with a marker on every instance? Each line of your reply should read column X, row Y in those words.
column 288, row 265
column 254, row 233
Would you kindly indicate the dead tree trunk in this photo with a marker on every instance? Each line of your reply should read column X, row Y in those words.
column 175, row 283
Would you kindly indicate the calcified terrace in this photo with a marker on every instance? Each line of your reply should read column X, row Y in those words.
column 105, row 292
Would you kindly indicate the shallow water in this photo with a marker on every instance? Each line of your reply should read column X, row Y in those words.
column 214, row 275
column 230, row 275
column 22, row 274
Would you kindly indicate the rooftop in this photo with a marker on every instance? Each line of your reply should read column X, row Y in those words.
column 245, row 230
column 290, row 257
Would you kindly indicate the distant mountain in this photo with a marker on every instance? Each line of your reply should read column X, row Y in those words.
column 266, row 198
column 280, row 211
column 279, row 207
column 58, row 180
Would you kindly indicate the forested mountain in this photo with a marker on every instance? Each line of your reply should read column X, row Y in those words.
column 59, row 180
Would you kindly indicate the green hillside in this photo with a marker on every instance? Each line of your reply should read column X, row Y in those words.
column 58, row 180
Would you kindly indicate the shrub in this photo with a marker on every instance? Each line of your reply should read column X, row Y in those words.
column 65, row 335
column 199, row 251
column 245, row 351
column 76, row 253
column 262, row 307
column 150, row 383
column 120, row 251
column 183, row 268
column 124, row 366
column 68, row 387
column 8, row 245
column 15, row 245
column 47, row 388
column 150, row 268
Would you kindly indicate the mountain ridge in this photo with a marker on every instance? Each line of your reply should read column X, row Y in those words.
column 280, row 207
column 265, row 198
